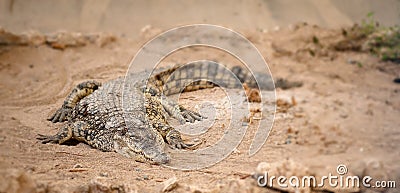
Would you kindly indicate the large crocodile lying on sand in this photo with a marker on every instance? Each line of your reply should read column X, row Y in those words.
column 94, row 112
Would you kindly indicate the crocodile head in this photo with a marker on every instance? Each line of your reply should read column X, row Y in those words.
column 141, row 146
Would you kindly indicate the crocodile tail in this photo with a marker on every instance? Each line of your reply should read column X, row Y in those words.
column 258, row 80
column 204, row 74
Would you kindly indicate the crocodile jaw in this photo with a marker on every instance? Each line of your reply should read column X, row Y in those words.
column 128, row 148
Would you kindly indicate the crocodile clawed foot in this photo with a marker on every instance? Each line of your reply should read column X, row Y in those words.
column 175, row 141
column 180, row 145
column 60, row 115
column 190, row 116
column 47, row 139
column 183, row 145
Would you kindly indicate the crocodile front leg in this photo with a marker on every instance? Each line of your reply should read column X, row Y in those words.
column 171, row 136
column 179, row 112
column 81, row 91
column 63, row 135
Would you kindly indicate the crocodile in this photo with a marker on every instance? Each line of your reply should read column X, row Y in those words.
column 93, row 112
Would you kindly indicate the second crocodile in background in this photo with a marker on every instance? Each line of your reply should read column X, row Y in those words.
column 94, row 112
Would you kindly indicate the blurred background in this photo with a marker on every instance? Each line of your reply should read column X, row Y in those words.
column 125, row 17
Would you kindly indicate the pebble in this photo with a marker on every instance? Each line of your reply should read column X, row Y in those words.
column 288, row 139
column 78, row 166
column 170, row 184
column 351, row 61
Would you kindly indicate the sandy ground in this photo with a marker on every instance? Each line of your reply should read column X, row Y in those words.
column 343, row 114
column 346, row 112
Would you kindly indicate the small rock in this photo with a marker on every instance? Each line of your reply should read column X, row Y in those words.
column 351, row 61
column 105, row 39
column 104, row 174
column 62, row 40
column 146, row 177
column 252, row 94
column 285, row 168
column 78, row 166
column 376, row 170
column 8, row 38
column 96, row 186
column 33, row 38
column 396, row 80
column 13, row 180
column 170, row 184
column 288, row 140
column 343, row 115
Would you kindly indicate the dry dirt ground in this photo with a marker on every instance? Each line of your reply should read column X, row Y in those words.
column 346, row 112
